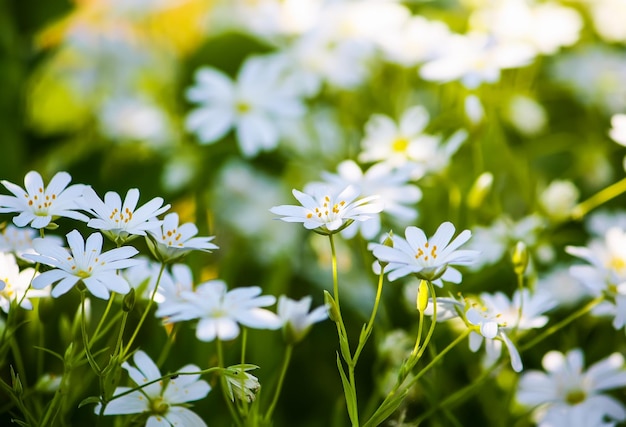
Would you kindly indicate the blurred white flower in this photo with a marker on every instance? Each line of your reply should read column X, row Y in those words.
column 296, row 318
column 618, row 129
column 476, row 58
column 122, row 221
column 254, row 105
column 15, row 284
column 567, row 395
column 125, row 119
column 474, row 109
column 19, row 241
column 545, row 27
column 606, row 273
column 171, row 240
column 328, row 210
column 559, row 199
column 219, row 311
column 165, row 401
column 84, row 262
column 526, row 115
column 429, row 259
column 388, row 183
column 564, row 289
column 607, row 17
column 39, row 205
column 404, row 144
column 172, row 288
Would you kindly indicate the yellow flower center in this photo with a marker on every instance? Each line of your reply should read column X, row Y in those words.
column 574, row 397
column 427, row 253
column 400, row 144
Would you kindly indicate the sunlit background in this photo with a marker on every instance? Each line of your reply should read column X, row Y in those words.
column 498, row 113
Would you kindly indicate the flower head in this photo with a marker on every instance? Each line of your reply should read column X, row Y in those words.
column 163, row 401
column 569, row 396
column 429, row 259
column 19, row 241
column 39, row 205
column 15, row 284
column 327, row 211
column 254, row 105
column 122, row 221
column 172, row 240
column 296, row 318
column 84, row 262
column 220, row 311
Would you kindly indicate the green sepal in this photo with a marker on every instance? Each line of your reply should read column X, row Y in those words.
column 89, row 400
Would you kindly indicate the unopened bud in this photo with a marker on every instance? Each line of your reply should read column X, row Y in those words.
column 480, row 189
column 520, row 258
column 333, row 311
column 129, row 301
column 422, row 296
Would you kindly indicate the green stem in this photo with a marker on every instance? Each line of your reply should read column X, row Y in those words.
column 146, row 311
column 104, row 316
column 370, row 323
column 279, row 385
column 224, row 384
column 599, row 198
column 557, row 326
column 168, row 345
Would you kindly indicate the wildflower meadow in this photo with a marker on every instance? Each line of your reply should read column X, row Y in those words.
column 309, row 213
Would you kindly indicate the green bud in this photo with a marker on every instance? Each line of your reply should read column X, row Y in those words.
column 333, row 310
column 422, row 296
column 129, row 301
column 520, row 258
column 480, row 189
column 18, row 388
column 52, row 226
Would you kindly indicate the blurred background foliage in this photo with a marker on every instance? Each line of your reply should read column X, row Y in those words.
column 97, row 88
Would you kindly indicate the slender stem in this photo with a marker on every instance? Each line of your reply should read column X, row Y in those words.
column 224, row 384
column 334, row 269
column 279, row 385
column 168, row 344
column 370, row 323
column 104, row 315
column 557, row 326
column 520, row 289
column 146, row 311
column 599, row 198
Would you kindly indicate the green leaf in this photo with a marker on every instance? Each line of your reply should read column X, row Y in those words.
column 89, row 400
column 349, row 393
column 386, row 409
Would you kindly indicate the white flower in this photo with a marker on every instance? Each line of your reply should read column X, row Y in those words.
column 607, row 16
column 296, row 318
column 15, row 284
column 404, row 144
column 240, row 383
column 559, row 199
column 430, row 259
column 172, row 240
column 122, row 221
column 165, row 401
column 172, row 287
column 569, row 396
column 618, row 129
column 606, row 274
column 86, row 262
column 39, row 205
column 329, row 210
column 19, row 240
column 219, row 311
column 254, row 105
column 476, row 58
column 388, row 183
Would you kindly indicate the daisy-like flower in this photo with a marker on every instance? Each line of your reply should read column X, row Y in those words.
column 326, row 211
column 84, row 262
column 240, row 383
column 220, row 311
column 389, row 183
column 15, row 284
column 296, row 318
column 254, row 105
column 19, row 240
column 172, row 287
column 405, row 144
column 171, row 241
column 567, row 395
column 606, row 274
column 122, row 221
column 429, row 259
column 39, row 205
column 164, row 402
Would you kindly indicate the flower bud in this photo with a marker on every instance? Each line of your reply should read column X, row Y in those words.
column 129, row 301
column 422, row 296
column 333, row 311
column 520, row 258
column 480, row 189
